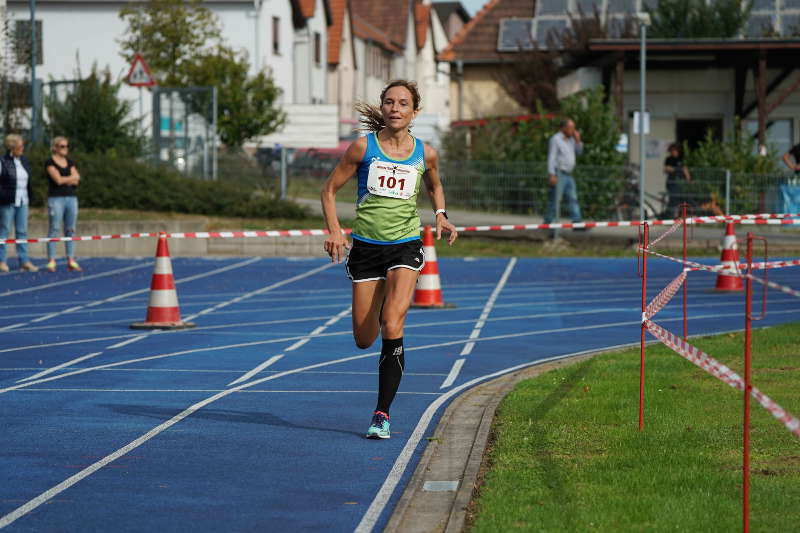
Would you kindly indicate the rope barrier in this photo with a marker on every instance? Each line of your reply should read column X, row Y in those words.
column 763, row 218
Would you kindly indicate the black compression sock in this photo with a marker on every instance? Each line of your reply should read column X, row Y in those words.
column 390, row 371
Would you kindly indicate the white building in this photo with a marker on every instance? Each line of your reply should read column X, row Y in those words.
column 287, row 38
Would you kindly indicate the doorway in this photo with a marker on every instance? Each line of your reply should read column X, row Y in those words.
column 692, row 131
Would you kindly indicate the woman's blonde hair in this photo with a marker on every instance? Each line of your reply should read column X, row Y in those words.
column 56, row 141
column 371, row 118
column 13, row 140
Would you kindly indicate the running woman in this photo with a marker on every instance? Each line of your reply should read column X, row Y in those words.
column 386, row 254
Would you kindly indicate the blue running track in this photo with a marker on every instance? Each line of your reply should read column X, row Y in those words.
column 254, row 420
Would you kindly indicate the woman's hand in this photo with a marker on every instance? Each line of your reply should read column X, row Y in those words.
column 443, row 224
column 336, row 245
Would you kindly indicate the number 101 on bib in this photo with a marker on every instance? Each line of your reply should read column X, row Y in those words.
column 391, row 180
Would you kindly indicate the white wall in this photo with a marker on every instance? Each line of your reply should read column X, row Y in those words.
column 434, row 85
column 342, row 78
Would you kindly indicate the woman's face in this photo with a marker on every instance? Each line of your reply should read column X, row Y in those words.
column 674, row 152
column 398, row 108
column 18, row 149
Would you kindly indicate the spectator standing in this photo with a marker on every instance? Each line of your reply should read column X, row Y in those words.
column 15, row 196
column 62, row 201
column 561, row 153
column 678, row 177
column 793, row 153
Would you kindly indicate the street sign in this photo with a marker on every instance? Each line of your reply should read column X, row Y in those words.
column 140, row 75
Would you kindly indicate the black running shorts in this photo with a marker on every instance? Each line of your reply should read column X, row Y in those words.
column 371, row 262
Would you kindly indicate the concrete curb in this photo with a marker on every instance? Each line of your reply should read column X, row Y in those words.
column 441, row 488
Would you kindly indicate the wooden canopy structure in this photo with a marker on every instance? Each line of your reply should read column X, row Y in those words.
column 741, row 55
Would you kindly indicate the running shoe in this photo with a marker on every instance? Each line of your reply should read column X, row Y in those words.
column 28, row 267
column 4, row 267
column 73, row 265
column 51, row 265
column 379, row 429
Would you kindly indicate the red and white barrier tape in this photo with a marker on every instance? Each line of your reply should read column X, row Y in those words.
column 664, row 296
column 723, row 373
column 671, row 230
column 756, row 266
column 773, row 285
column 764, row 218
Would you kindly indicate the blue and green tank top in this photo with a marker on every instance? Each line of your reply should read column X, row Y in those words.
column 386, row 209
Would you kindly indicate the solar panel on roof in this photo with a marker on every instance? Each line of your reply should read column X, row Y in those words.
column 515, row 35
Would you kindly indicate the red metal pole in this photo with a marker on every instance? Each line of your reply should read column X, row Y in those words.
column 645, row 242
column 747, row 390
column 685, row 281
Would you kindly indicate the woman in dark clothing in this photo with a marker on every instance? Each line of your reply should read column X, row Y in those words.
column 62, row 201
column 677, row 178
column 15, row 197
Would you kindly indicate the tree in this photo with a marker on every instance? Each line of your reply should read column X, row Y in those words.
column 684, row 19
column 169, row 34
column 182, row 42
column 247, row 104
column 94, row 118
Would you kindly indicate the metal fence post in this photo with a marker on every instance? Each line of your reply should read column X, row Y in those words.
column 283, row 172
column 215, row 153
column 727, row 191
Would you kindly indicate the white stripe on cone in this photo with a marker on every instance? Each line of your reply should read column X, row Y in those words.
column 428, row 282
column 729, row 242
column 430, row 254
column 163, row 265
column 163, row 298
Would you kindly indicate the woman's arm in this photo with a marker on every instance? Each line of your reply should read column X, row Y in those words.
column 337, row 243
column 75, row 176
column 787, row 159
column 54, row 175
column 686, row 173
column 433, row 184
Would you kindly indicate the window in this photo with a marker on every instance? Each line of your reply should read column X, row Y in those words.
column 778, row 134
column 317, row 48
column 22, row 42
column 276, row 35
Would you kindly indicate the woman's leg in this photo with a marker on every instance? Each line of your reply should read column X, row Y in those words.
column 55, row 214
column 21, row 232
column 400, row 283
column 6, row 216
column 367, row 302
column 70, row 219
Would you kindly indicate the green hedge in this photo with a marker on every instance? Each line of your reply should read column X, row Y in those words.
column 112, row 182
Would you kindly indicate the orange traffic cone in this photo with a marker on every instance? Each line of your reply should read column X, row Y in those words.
column 162, row 310
column 727, row 280
column 428, row 293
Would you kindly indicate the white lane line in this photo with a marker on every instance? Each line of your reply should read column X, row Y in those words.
column 331, row 321
column 250, row 373
column 257, row 292
column 126, row 342
column 476, row 331
column 488, row 307
column 777, row 300
column 141, row 291
column 248, row 391
column 378, row 504
column 436, row 345
column 77, row 280
column 59, row 367
column 451, row 377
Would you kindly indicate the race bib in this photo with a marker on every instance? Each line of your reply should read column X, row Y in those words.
column 392, row 179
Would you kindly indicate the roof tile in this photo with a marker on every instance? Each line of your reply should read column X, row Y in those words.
column 338, row 8
column 477, row 40
column 422, row 17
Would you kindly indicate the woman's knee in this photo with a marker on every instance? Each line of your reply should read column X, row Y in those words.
column 392, row 325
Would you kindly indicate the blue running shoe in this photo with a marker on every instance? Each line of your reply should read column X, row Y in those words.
column 379, row 429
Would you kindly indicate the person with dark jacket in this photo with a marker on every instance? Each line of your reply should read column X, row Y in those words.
column 15, row 197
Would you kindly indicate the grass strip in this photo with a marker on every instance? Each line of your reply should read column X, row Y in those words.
column 566, row 453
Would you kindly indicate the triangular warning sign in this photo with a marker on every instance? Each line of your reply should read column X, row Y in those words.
column 139, row 75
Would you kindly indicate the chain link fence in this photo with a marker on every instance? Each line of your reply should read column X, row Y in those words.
column 521, row 187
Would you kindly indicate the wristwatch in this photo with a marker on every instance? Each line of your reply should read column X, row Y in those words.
column 442, row 211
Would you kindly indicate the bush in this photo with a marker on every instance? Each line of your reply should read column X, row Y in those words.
column 120, row 183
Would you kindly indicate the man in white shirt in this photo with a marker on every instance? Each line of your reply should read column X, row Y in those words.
column 563, row 148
